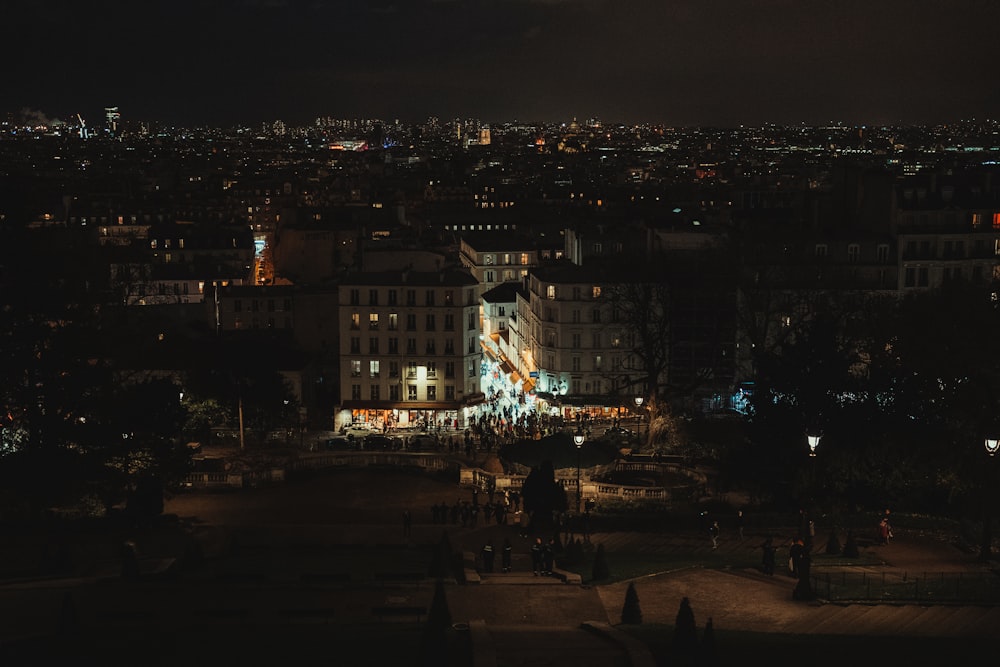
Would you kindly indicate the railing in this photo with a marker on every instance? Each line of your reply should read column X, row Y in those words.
column 251, row 478
column 430, row 461
column 940, row 587
column 589, row 489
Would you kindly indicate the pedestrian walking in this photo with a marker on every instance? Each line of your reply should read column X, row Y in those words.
column 407, row 523
column 739, row 524
column 505, row 554
column 713, row 532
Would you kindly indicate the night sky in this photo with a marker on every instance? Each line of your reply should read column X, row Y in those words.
column 678, row 62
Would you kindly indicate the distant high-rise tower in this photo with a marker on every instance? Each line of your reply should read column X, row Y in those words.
column 484, row 136
column 111, row 117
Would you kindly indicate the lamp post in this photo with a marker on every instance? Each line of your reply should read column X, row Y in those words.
column 812, row 439
column 638, row 423
column 986, row 548
column 578, row 439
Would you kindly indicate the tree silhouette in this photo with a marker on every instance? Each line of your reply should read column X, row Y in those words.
column 542, row 496
column 708, row 655
column 851, row 546
column 631, row 612
column 833, row 547
column 600, row 570
column 685, row 632
column 434, row 640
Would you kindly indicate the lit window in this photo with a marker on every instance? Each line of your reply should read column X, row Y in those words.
column 550, row 291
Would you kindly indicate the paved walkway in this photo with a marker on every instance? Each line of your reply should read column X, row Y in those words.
column 276, row 559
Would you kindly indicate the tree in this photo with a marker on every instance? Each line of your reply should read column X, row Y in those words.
column 685, row 640
column 631, row 612
column 542, row 496
column 833, row 544
column 434, row 640
column 708, row 655
column 600, row 570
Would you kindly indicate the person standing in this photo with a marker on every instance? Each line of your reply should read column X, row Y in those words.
column 407, row 523
column 548, row 557
column 505, row 554
column 713, row 531
column 767, row 562
column 739, row 524
column 536, row 556
column 884, row 532
column 488, row 556
column 795, row 553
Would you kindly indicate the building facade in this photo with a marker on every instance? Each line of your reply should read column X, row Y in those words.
column 410, row 351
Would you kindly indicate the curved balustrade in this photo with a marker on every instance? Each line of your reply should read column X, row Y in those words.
column 589, row 489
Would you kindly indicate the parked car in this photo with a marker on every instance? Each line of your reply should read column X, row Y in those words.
column 355, row 431
column 378, row 442
column 619, row 432
column 342, row 443
column 421, row 443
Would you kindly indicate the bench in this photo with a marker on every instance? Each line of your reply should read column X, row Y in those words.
column 399, row 611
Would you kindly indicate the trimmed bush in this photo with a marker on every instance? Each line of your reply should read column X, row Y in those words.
column 631, row 613
column 600, row 570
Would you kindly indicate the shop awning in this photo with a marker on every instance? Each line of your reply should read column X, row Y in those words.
column 475, row 399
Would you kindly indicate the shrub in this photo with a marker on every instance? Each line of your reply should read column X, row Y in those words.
column 631, row 613
column 833, row 543
column 685, row 631
column 851, row 546
column 600, row 570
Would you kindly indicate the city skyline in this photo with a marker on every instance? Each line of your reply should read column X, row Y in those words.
column 681, row 63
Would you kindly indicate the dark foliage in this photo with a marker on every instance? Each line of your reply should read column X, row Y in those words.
column 573, row 554
column 600, row 570
column 542, row 496
column 631, row 612
column 851, row 546
column 708, row 655
column 685, row 631
column 833, row 547
column 434, row 650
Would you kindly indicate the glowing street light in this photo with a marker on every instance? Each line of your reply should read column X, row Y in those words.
column 638, row 422
column 813, row 441
column 991, row 446
column 986, row 548
column 578, row 439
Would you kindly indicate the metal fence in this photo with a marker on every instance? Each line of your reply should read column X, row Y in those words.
column 927, row 587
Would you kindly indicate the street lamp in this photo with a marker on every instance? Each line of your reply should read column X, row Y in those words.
column 638, row 423
column 986, row 548
column 813, row 441
column 578, row 439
